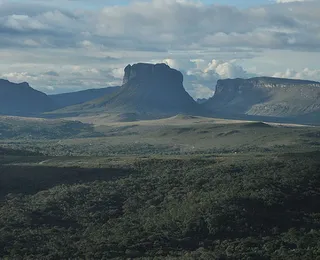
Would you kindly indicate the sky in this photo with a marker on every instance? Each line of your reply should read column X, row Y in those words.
column 68, row 45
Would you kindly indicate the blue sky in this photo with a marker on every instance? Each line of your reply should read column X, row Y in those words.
column 96, row 4
column 60, row 46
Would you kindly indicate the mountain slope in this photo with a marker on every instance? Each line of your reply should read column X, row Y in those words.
column 74, row 98
column 21, row 99
column 265, row 96
column 153, row 90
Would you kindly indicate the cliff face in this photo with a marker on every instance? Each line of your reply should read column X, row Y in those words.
column 148, row 88
column 22, row 100
column 152, row 74
column 266, row 96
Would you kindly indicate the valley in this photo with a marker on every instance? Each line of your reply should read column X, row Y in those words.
column 185, row 187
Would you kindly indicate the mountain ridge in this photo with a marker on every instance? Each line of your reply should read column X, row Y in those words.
column 266, row 96
column 82, row 96
column 21, row 99
column 152, row 91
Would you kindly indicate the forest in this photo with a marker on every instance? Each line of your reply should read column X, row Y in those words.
column 248, row 206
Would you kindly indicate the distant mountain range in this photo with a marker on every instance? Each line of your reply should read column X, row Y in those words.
column 21, row 99
column 155, row 90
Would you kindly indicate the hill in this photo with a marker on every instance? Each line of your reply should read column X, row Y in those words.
column 21, row 99
column 148, row 91
column 74, row 98
column 265, row 96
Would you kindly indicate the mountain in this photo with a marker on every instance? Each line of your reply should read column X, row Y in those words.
column 267, row 97
column 21, row 99
column 148, row 91
column 74, row 98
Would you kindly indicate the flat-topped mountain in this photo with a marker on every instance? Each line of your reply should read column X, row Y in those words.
column 21, row 99
column 266, row 96
column 78, row 97
column 153, row 89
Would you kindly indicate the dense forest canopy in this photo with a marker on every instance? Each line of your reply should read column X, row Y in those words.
column 228, row 207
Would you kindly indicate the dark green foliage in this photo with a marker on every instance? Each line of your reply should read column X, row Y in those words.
column 15, row 128
column 215, row 208
column 12, row 152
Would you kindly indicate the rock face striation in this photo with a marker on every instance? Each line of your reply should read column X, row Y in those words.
column 153, row 89
column 22, row 100
column 266, row 96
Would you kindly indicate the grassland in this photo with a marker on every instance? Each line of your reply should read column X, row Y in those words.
column 174, row 136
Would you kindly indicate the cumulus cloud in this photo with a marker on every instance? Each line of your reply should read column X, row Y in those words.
column 307, row 74
column 201, row 76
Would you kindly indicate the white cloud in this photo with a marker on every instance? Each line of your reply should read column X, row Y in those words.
column 307, row 74
column 200, row 76
column 37, row 38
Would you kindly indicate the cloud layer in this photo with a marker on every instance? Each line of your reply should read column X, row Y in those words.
column 58, row 49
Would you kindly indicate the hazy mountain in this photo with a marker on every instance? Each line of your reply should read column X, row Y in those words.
column 74, row 98
column 266, row 96
column 149, row 90
column 21, row 99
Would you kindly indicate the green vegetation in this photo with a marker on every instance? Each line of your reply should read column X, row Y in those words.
column 231, row 207
column 23, row 128
column 179, row 188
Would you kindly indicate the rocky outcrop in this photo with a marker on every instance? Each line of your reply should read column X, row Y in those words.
column 266, row 96
column 152, row 73
column 20, row 99
column 153, row 89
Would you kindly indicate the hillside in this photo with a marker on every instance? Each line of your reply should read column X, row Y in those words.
column 74, row 98
column 184, row 187
column 21, row 99
column 264, row 96
column 13, row 127
column 148, row 91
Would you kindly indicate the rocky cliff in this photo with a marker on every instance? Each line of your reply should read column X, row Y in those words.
column 266, row 96
column 153, row 89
